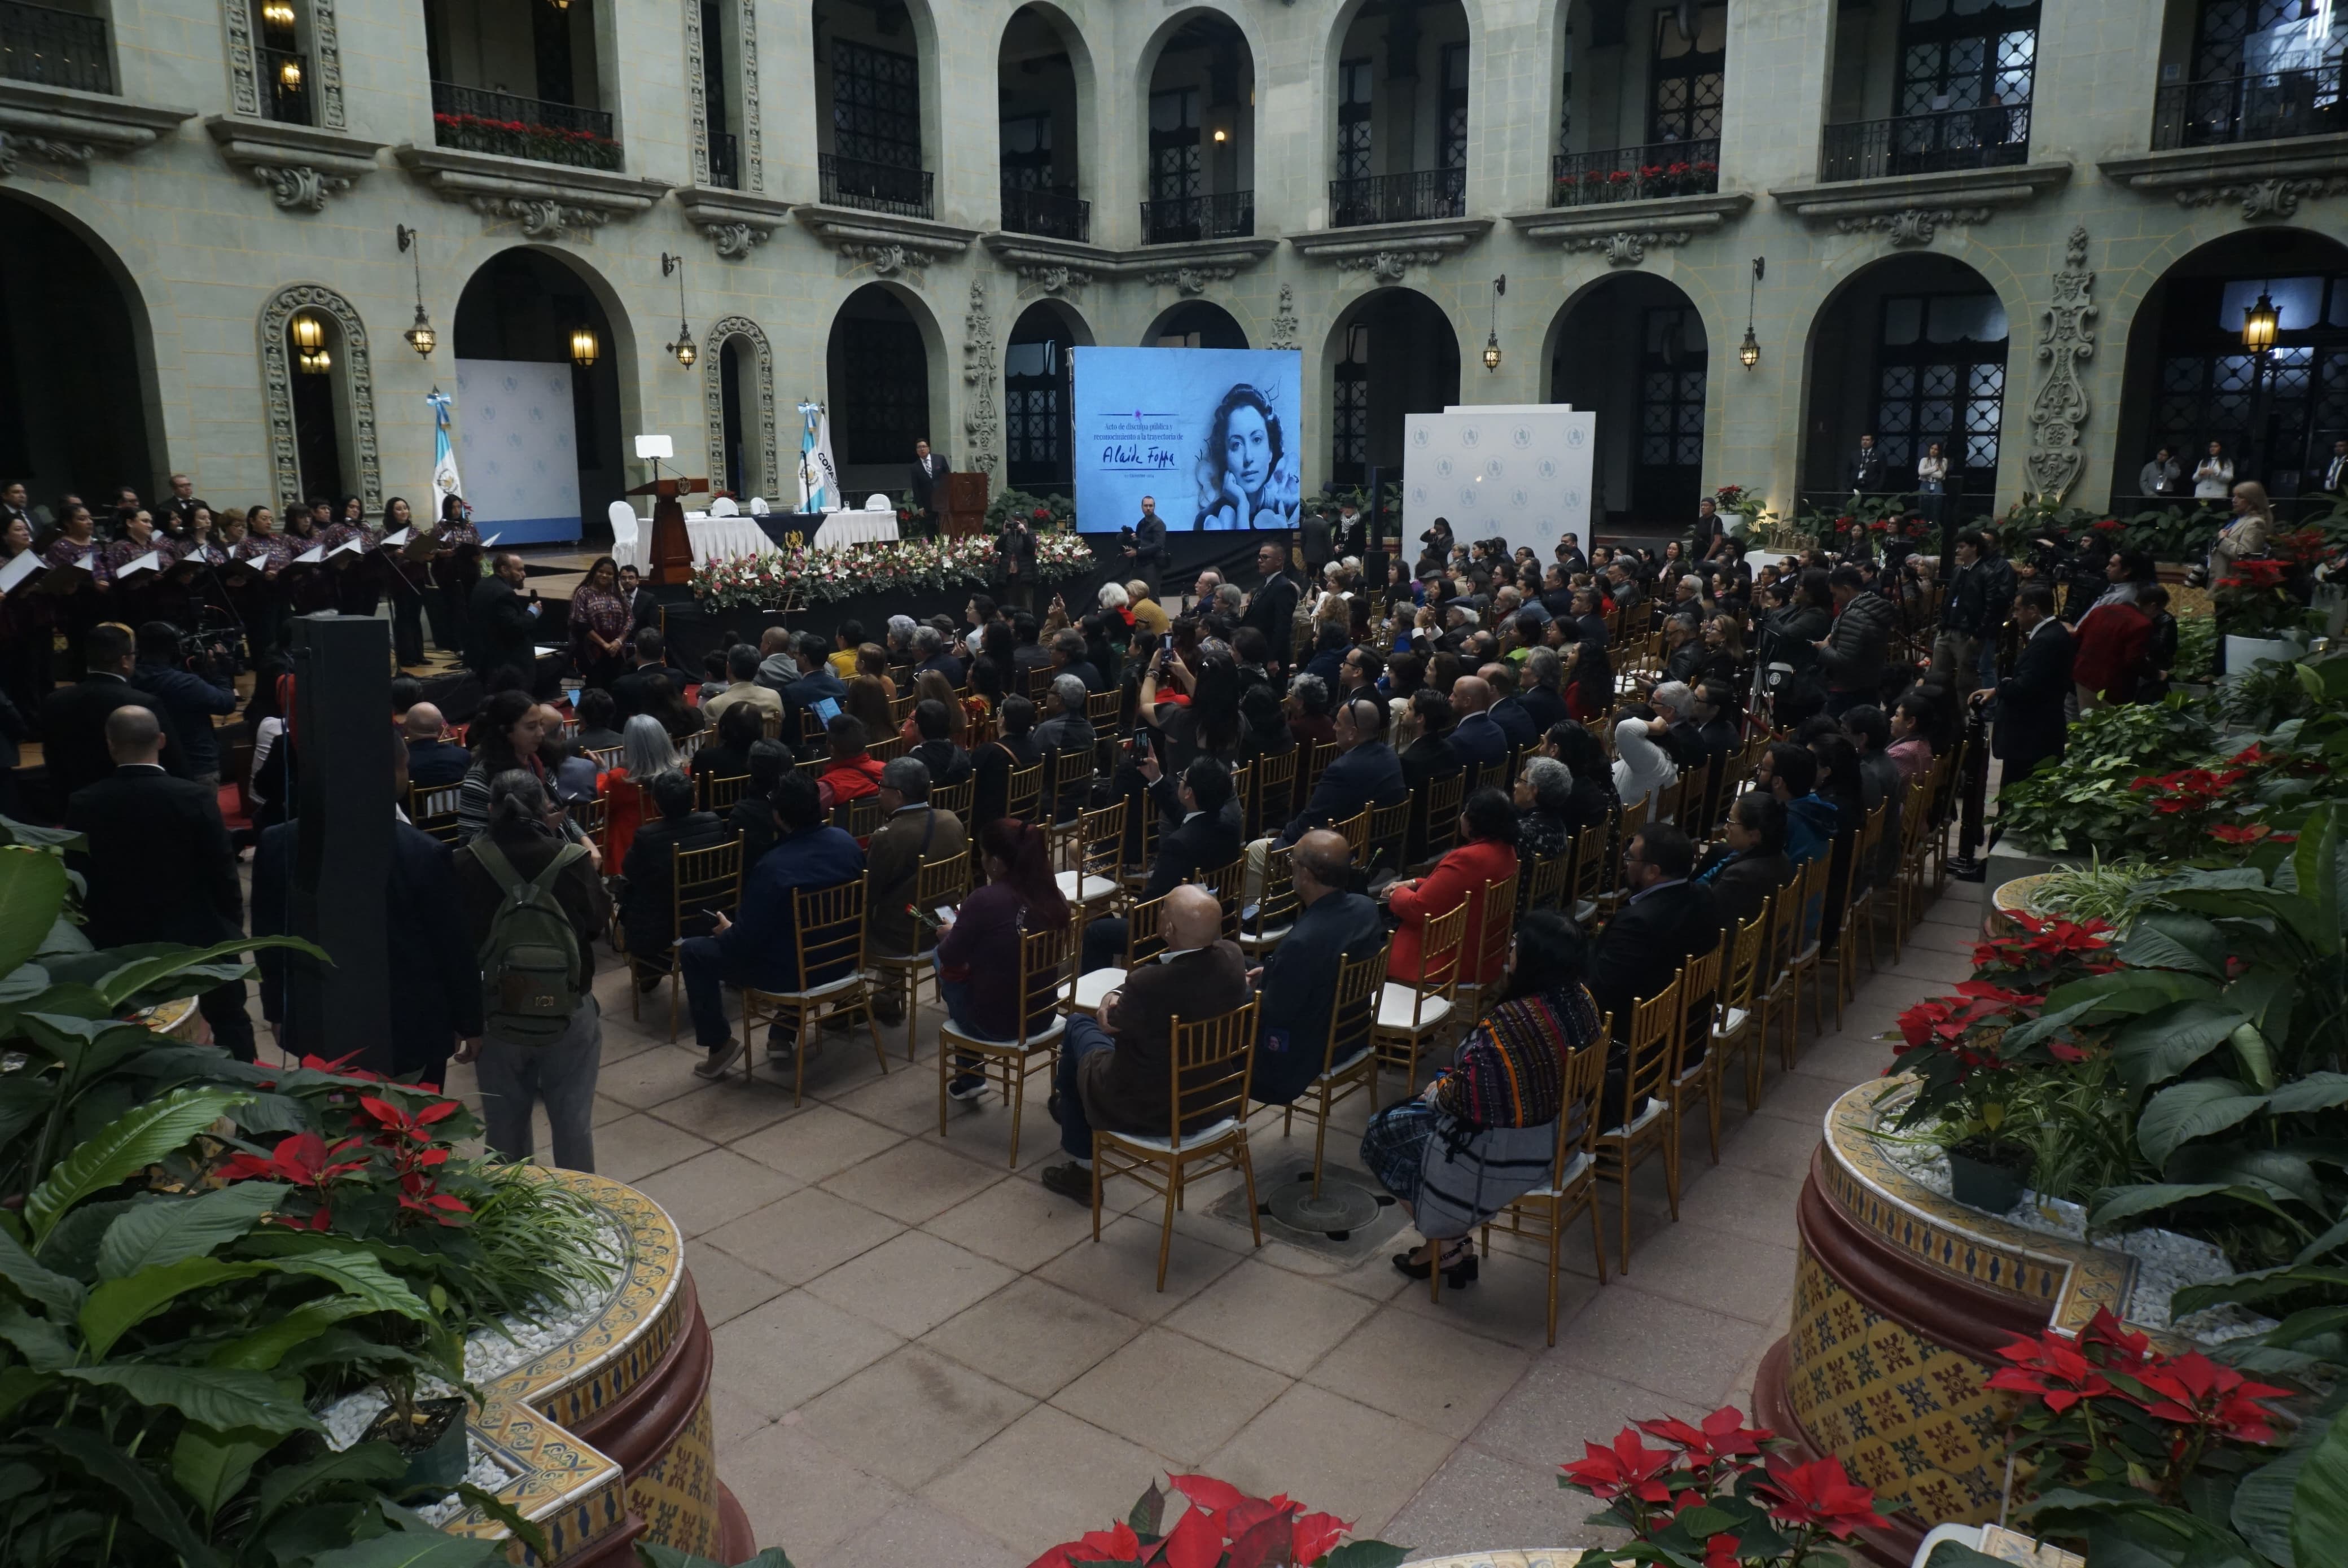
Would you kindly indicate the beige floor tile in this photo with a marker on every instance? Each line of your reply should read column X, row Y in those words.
column 1758, row 1207
column 1702, row 1267
column 1479, row 1499
column 982, row 1130
column 1331, row 1454
column 818, row 1141
column 906, row 1100
column 1681, row 1352
column 912, row 1416
column 652, row 1078
column 912, row 1282
column 778, row 1357
column 804, row 1235
column 1034, row 1336
column 1803, row 1095
column 734, row 1418
column 1270, row 1317
column 1373, row 1278
column 1559, row 1406
column 634, row 1146
column 1018, row 1221
column 1120, row 1270
column 913, row 1180
column 727, row 1286
column 705, row 1191
column 1172, row 1394
column 1408, row 1365
column 723, row 1112
column 1510, row 1300
column 916, row 1533
column 608, row 1110
column 1046, row 1478
column 1846, row 1058
column 1931, row 964
column 1769, row 1144
column 798, row 1493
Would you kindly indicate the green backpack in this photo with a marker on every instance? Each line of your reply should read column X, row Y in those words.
column 529, row 965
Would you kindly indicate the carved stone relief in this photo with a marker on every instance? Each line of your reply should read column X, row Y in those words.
column 2277, row 198
column 1284, row 333
column 277, row 391
column 1625, row 247
column 2059, row 412
column 713, row 398
column 979, row 373
column 1912, row 225
column 298, row 187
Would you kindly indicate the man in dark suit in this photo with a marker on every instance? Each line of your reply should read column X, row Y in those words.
column 1867, row 467
column 1298, row 981
column 431, row 760
column 2335, row 470
column 1364, row 773
column 1477, row 739
column 1668, row 921
column 1202, row 842
column 157, row 865
column 436, row 992
column 633, row 692
column 1271, row 609
column 1318, row 543
column 1145, row 554
column 2030, row 725
column 502, row 624
column 73, row 719
column 1114, row 1074
column 927, row 483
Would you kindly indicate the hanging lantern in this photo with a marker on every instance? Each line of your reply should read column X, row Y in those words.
column 1492, row 352
column 2258, row 324
column 682, row 347
column 277, row 14
column 1492, row 338
column 1749, row 351
column 585, row 349
column 310, row 356
column 289, row 72
column 421, row 337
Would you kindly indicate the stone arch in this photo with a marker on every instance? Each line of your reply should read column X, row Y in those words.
column 1090, row 149
column 1364, row 423
column 357, row 387
column 713, row 395
column 1636, row 349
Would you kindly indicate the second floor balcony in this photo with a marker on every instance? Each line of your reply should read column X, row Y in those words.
column 2259, row 106
column 875, row 187
column 725, row 160
column 54, row 48
column 1399, row 198
column 1179, row 220
column 1057, row 213
column 1634, row 173
column 285, row 81
column 476, row 119
column 1995, row 136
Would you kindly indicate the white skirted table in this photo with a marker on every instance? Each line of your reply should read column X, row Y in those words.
column 841, row 528
column 727, row 538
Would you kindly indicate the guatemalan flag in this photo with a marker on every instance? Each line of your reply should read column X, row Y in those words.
column 818, row 476
column 445, row 482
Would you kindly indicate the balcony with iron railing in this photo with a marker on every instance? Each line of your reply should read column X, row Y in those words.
column 54, row 48
column 875, row 187
column 725, row 160
column 2261, row 106
column 1057, row 213
column 476, row 119
column 286, row 76
column 1634, row 173
column 1992, row 136
column 1399, row 198
column 1182, row 219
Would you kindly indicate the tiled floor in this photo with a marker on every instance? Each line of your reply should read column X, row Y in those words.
column 923, row 1357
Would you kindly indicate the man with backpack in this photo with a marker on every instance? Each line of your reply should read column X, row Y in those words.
column 534, row 906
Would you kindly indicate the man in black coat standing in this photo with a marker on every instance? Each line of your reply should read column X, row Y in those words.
column 157, row 865
column 927, row 481
column 1145, row 555
column 502, row 622
column 1867, row 467
column 73, row 719
column 1271, row 609
column 2030, row 724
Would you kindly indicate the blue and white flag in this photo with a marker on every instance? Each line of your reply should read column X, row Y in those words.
column 818, row 476
column 445, row 482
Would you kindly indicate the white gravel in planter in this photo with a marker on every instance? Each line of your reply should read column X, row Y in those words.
column 2166, row 1262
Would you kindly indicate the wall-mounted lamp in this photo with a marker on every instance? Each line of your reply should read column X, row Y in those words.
column 277, row 14
column 1222, row 135
column 585, row 349
column 1492, row 340
column 420, row 338
column 2258, row 324
column 1749, row 351
column 682, row 347
column 310, row 356
column 289, row 72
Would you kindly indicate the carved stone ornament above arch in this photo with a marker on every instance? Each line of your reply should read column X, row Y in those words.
column 277, row 391
column 713, row 398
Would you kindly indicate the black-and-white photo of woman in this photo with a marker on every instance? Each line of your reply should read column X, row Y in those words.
column 1247, row 474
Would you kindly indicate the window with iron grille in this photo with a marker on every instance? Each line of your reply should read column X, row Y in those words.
column 2237, row 38
column 1454, row 106
column 1565, row 94
column 1035, row 423
column 1027, row 152
column 1940, row 375
column 1671, row 369
column 882, row 404
column 1684, row 87
column 2277, row 421
column 1174, row 144
column 1959, row 56
column 1353, row 127
column 1349, row 414
column 876, row 105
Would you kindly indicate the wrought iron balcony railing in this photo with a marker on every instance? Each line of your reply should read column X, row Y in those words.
column 875, row 187
column 56, row 48
column 2261, row 105
column 1399, row 198
column 475, row 120
column 1056, row 214
column 1226, row 215
column 1634, row 173
column 1987, row 138
column 725, row 160
column 285, row 81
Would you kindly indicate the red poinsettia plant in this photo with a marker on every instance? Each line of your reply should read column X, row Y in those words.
column 2255, row 599
column 1720, row 1494
column 374, row 1162
column 1222, row 1527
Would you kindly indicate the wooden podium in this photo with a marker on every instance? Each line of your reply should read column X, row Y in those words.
column 964, row 511
column 670, row 559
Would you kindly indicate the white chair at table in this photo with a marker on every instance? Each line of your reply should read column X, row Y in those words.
column 878, row 502
column 724, row 507
column 758, row 506
column 626, row 534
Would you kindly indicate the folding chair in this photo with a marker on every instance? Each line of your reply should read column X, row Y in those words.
column 432, row 809
column 1044, row 959
column 831, row 979
column 1266, row 921
column 1411, row 1011
column 1349, row 1063
column 719, row 794
column 1440, row 815
column 1700, row 983
column 1572, row 1187
column 1208, row 1079
column 1655, row 1027
column 939, row 883
column 702, row 883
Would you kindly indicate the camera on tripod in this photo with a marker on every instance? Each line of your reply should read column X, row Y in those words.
column 217, row 641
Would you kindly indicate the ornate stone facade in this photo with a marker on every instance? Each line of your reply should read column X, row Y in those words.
column 713, row 398
column 2065, row 340
column 355, row 373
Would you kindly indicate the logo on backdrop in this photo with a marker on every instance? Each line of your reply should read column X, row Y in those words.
column 1212, row 434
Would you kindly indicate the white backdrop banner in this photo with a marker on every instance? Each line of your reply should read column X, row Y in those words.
column 518, row 439
column 1519, row 473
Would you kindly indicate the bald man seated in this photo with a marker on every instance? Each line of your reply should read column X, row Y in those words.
column 431, row 760
column 1114, row 1074
column 1478, row 737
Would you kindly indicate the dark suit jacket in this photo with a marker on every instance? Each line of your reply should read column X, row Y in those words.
column 159, row 867
column 1741, row 884
column 633, row 692
column 1479, row 740
column 1273, row 611
column 649, row 900
column 1124, row 1090
column 1426, row 760
column 436, row 762
column 926, row 478
column 1515, row 722
column 1203, row 844
column 503, row 630
column 1644, row 945
column 2030, row 723
column 1299, row 988
column 1150, row 549
column 1545, row 707
column 73, row 732
column 1369, row 775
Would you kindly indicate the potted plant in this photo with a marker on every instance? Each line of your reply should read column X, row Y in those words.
column 1222, row 1526
column 1737, row 507
column 2260, row 617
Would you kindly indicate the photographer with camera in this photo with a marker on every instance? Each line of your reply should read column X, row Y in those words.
column 184, row 675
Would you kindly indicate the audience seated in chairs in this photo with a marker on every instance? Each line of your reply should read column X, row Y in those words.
column 570, row 775
column 1487, row 854
column 1013, row 747
column 1425, row 762
column 727, row 755
column 647, row 900
column 1066, row 729
column 977, row 954
column 1115, row 1074
column 431, row 760
column 912, row 832
column 759, row 947
column 940, row 722
column 1791, row 774
column 1751, row 865
column 1483, row 1133
column 599, row 720
column 851, row 772
column 1298, row 981
column 1203, row 840
column 1667, row 921
column 1544, row 814
column 505, row 735
column 646, row 754
column 752, row 815
column 742, row 689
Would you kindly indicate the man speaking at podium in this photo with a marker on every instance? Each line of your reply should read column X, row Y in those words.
column 928, row 478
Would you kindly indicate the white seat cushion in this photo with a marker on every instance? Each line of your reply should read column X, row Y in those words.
column 1273, row 938
column 1077, row 888
column 830, row 988
column 1735, row 1021
column 1575, row 1168
column 1394, row 1003
column 1347, row 1064
column 1656, row 1106
column 1190, row 1139
column 1036, row 1041
column 1094, row 983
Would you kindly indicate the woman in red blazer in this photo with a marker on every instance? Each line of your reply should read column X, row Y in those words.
column 1488, row 854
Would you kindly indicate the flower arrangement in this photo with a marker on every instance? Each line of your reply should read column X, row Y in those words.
column 1045, row 513
column 781, row 579
column 527, row 138
column 1718, row 1495
column 1221, row 1528
column 2255, row 600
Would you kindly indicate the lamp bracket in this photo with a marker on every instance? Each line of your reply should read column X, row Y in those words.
column 408, row 236
column 670, row 264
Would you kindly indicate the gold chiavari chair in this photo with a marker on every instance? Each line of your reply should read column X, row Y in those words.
column 1389, row 833
column 1411, row 1013
column 859, row 819
column 1700, row 986
column 1272, row 798
column 957, row 798
column 1809, row 915
column 703, row 884
column 1096, row 843
column 1023, row 794
column 719, row 794
column 1044, row 958
column 1225, row 880
column 1587, row 891
column 1495, row 927
column 1737, row 1032
column 1572, row 1186
column 1264, row 924
column 1441, row 799
column 1546, row 882
column 432, row 809
column 939, row 883
column 831, row 979
column 1349, row 1063
column 1656, row 1025
column 1325, row 752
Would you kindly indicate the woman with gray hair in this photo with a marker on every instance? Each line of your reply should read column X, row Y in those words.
column 1545, row 825
column 646, row 753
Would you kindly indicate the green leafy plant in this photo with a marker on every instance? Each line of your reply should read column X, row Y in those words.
column 2196, row 650
column 2091, row 801
column 2110, row 892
